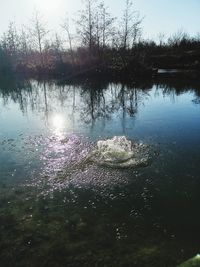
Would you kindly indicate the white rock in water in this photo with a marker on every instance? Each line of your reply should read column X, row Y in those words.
column 120, row 152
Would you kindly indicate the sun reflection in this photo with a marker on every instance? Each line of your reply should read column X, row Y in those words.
column 58, row 123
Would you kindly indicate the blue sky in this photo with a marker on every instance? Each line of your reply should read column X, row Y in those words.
column 165, row 16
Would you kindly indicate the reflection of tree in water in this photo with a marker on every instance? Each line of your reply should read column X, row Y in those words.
column 175, row 86
column 178, row 86
column 94, row 103
column 103, row 102
column 88, row 101
column 18, row 91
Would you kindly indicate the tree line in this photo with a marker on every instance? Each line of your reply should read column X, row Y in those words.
column 101, row 43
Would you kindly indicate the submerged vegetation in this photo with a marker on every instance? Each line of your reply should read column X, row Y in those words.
column 101, row 44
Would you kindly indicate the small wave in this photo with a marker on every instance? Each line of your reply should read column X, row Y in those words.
column 119, row 152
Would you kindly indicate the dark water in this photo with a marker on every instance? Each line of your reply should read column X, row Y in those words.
column 56, row 209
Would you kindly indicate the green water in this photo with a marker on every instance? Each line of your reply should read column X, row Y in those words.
column 56, row 209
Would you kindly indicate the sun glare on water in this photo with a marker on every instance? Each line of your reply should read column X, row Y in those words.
column 58, row 123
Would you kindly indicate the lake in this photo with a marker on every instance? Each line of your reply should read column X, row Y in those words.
column 57, row 209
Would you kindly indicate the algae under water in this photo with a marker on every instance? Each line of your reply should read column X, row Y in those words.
column 58, row 208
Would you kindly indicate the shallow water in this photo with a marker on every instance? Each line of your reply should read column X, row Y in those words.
column 58, row 208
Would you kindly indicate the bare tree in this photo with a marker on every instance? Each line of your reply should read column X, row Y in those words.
column 86, row 24
column 178, row 37
column 24, row 38
column 39, row 33
column 12, row 39
column 130, row 26
column 95, row 26
column 197, row 37
column 65, row 25
column 161, row 38
column 105, row 25
column 4, row 44
column 58, row 46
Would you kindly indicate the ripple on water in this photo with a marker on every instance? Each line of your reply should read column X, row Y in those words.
column 57, row 162
column 76, row 161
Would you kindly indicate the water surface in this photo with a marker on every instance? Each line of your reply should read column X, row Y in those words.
column 59, row 210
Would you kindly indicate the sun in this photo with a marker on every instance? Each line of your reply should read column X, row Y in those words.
column 47, row 6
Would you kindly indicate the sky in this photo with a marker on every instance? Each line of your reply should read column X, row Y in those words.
column 166, row 16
